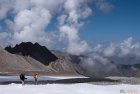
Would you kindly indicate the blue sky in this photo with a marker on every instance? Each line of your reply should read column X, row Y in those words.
column 122, row 22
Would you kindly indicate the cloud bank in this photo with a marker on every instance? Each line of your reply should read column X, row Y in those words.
column 105, row 58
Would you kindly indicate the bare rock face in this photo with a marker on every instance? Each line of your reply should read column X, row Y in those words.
column 36, row 51
column 63, row 64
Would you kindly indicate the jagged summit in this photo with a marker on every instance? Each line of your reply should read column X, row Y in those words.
column 36, row 51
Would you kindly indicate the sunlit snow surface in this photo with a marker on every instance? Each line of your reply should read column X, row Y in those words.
column 79, row 88
column 68, row 89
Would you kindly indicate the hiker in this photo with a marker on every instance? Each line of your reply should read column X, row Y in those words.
column 35, row 77
column 22, row 78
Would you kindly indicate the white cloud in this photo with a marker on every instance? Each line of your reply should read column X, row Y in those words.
column 86, row 12
column 29, row 24
column 9, row 25
column 5, row 6
column 125, row 52
column 104, row 5
column 5, row 39
column 109, row 51
column 74, row 42
column 97, row 65
column 61, row 19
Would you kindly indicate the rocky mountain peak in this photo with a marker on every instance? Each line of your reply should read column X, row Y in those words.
column 36, row 51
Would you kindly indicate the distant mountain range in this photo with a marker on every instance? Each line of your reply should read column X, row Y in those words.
column 28, row 57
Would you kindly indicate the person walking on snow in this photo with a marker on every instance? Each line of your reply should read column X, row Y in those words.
column 35, row 77
column 22, row 78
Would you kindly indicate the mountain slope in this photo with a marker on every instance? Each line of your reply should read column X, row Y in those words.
column 11, row 62
column 32, row 53
column 63, row 64
column 36, row 51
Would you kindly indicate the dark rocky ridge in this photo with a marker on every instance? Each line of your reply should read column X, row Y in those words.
column 36, row 51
